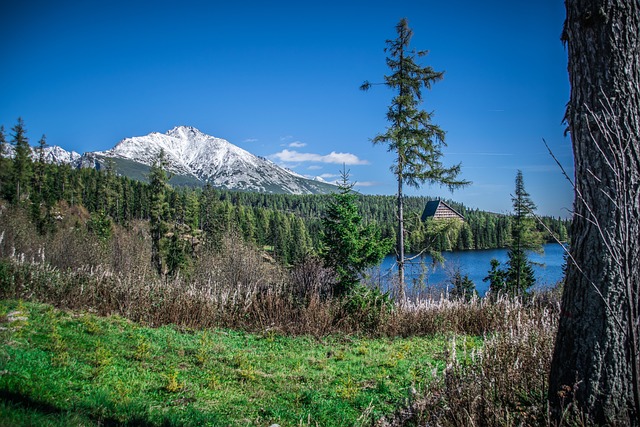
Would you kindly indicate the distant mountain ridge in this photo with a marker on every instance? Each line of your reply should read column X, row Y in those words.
column 52, row 154
column 194, row 158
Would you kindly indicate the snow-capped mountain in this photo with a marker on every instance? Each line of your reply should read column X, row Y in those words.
column 58, row 155
column 207, row 159
column 53, row 154
column 194, row 158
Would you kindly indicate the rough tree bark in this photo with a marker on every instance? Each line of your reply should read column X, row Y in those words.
column 595, row 361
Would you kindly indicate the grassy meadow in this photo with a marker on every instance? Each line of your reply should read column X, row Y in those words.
column 60, row 368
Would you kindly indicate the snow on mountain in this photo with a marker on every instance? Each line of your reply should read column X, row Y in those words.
column 58, row 155
column 54, row 154
column 190, row 152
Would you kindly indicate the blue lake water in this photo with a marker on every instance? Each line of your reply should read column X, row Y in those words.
column 474, row 263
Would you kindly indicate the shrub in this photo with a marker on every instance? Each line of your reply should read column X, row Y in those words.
column 367, row 308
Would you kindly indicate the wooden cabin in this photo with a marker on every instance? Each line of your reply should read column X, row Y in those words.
column 438, row 209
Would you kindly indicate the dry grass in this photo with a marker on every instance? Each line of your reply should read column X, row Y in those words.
column 504, row 384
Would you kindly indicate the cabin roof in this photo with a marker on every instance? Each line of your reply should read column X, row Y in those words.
column 432, row 206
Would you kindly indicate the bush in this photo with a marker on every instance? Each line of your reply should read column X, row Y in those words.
column 310, row 278
column 367, row 308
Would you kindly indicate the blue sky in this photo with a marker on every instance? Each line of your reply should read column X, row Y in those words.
column 281, row 78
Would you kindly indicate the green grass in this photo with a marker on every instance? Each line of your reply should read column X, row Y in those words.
column 62, row 368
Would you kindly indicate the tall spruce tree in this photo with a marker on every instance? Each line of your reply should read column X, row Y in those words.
column 39, row 166
column 3, row 142
column 518, row 277
column 348, row 246
column 158, row 210
column 412, row 136
column 3, row 165
column 22, row 163
column 524, row 236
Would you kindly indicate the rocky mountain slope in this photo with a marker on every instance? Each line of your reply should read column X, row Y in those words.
column 196, row 156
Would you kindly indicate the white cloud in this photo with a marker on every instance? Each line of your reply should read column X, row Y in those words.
column 479, row 154
column 290, row 156
column 314, row 167
column 251, row 140
column 366, row 183
column 297, row 144
column 328, row 175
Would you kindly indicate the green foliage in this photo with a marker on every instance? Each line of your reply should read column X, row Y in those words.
column 158, row 210
column 348, row 246
column 524, row 236
column 177, row 254
column 497, row 278
column 39, row 168
column 515, row 279
column 100, row 225
column 3, row 142
column 518, row 277
column 173, row 385
column 435, row 235
column 191, row 209
column 22, row 163
column 462, row 287
column 5, row 164
column 368, row 307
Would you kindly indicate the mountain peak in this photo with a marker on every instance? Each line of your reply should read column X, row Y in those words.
column 184, row 132
column 205, row 158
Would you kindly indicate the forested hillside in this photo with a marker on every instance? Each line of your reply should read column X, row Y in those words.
column 287, row 225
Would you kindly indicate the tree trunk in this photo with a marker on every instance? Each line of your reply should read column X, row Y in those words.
column 400, row 257
column 595, row 360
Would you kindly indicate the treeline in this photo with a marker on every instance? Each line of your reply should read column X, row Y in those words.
column 481, row 230
column 289, row 226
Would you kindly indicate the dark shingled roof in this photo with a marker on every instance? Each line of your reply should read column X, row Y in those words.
column 432, row 206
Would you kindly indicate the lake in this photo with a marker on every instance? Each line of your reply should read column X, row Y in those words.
column 476, row 264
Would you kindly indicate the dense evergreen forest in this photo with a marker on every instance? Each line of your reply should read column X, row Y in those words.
column 289, row 226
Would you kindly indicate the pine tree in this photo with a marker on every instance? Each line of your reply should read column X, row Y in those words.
column 21, row 162
column 3, row 143
column 497, row 278
column 158, row 210
column 39, row 166
column 106, row 197
column 348, row 246
column 416, row 141
column 177, row 258
column 518, row 276
column 301, row 243
column 280, row 237
column 524, row 236
column 4, row 165
column 463, row 287
column 192, row 210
